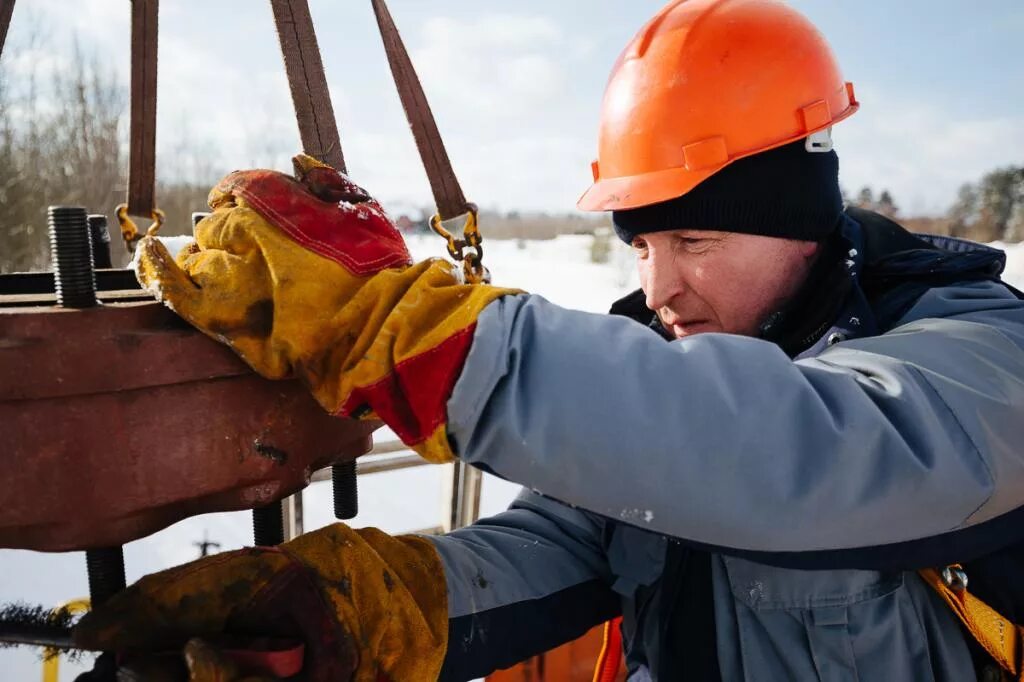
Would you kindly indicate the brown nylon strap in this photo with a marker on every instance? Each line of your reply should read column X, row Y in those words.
column 317, row 127
column 6, row 9
column 142, row 135
column 448, row 196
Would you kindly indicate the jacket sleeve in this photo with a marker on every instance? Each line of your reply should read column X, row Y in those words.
column 522, row 582
column 724, row 440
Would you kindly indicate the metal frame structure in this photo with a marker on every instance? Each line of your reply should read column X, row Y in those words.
column 460, row 503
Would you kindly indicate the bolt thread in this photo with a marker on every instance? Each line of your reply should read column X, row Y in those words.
column 106, row 573
column 268, row 525
column 99, row 235
column 71, row 255
column 346, row 490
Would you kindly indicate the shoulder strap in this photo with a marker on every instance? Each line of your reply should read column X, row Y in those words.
column 1002, row 639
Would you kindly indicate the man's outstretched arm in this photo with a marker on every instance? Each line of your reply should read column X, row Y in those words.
column 724, row 440
column 522, row 582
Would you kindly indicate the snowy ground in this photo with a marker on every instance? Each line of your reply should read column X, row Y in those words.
column 560, row 270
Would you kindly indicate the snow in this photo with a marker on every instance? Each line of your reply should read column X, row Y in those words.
column 636, row 516
column 401, row 501
column 174, row 244
column 1014, row 272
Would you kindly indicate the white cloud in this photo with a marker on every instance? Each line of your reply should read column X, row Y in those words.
column 921, row 153
column 528, row 170
column 498, row 32
column 492, row 69
column 515, row 94
column 500, row 83
column 500, row 86
column 94, row 20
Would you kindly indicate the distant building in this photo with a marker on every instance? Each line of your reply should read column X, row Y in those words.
column 408, row 218
column 405, row 224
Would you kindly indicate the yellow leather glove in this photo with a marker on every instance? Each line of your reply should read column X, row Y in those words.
column 308, row 277
column 368, row 607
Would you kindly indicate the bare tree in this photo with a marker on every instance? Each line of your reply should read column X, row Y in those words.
column 865, row 198
column 63, row 140
column 1015, row 226
column 885, row 205
column 1000, row 191
column 58, row 145
column 964, row 212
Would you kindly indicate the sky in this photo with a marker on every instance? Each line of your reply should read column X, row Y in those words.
column 516, row 88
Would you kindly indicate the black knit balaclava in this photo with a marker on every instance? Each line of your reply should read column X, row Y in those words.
column 786, row 192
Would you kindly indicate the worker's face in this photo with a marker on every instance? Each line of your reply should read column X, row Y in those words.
column 705, row 281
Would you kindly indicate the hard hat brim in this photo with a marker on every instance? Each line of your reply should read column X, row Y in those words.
column 634, row 191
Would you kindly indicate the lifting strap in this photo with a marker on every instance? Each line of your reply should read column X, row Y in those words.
column 448, row 196
column 318, row 132
column 6, row 9
column 142, row 132
column 308, row 83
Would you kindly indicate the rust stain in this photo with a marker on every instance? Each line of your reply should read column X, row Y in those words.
column 276, row 455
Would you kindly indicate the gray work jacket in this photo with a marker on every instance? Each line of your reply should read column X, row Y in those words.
column 816, row 482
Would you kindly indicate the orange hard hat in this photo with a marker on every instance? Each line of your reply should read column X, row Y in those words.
column 704, row 83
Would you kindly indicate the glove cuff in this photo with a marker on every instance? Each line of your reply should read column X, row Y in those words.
column 407, row 373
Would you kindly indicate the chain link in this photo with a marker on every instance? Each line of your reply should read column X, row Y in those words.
column 130, row 231
column 468, row 250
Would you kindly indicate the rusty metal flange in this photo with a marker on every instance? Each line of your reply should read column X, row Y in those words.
column 120, row 420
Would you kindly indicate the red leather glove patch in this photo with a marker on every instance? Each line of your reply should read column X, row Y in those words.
column 359, row 236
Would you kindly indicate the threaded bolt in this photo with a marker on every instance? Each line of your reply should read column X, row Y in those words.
column 99, row 235
column 268, row 525
column 71, row 255
column 346, row 490
column 106, row 573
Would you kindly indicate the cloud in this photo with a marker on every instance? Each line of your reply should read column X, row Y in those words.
column 921, row 153
column 500, row 86
column 500, row 32
column 102, row 21
column 494, row 68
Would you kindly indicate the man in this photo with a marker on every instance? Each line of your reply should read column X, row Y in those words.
column 815, row 404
